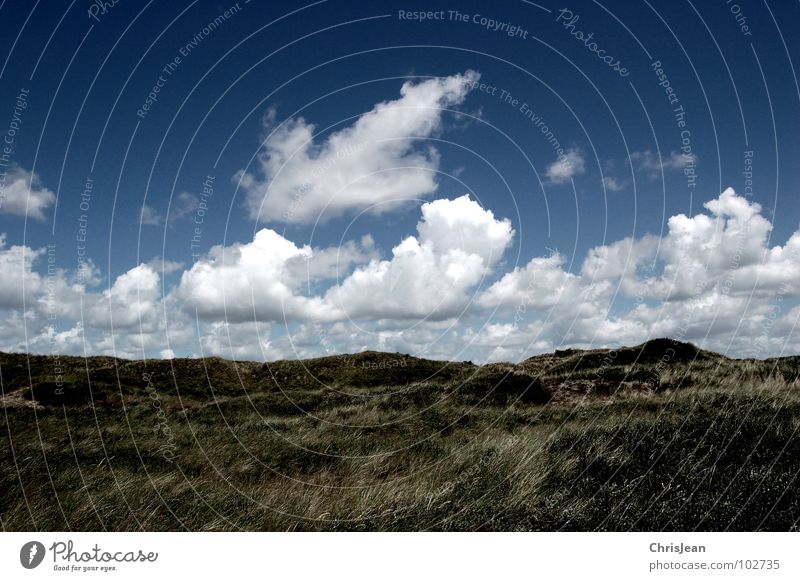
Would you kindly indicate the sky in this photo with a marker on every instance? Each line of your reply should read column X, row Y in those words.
column 454, row 180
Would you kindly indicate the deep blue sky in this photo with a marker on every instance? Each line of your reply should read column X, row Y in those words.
column 113, row 63
column 88, row 78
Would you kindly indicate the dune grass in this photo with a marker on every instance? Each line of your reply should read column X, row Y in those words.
column 385, row 442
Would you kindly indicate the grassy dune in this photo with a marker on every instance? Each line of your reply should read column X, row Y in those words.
column 662, row 436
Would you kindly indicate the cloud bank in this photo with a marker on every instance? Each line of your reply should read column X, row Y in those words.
column 445, row 292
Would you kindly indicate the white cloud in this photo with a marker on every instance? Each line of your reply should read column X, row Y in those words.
column 333, row 263
column 19, row 283
column 268, row 279
column 64, row 313
column 653, row 166
column 725, row 248
column 148, row 216
column 241, row 341
column 429, row 339
column 259, row 280
column 182, row 205
column 712, row 279
column 22, row 194
column 613, row 184
column 620, row 261
column 159, row 264
column 566, row 167
column 374, row 163
column 431, row 275
column 70, row 340
column 131, row 301
column 541, row 284
column 462, row 224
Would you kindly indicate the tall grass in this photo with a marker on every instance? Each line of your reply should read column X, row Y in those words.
column 712, row 444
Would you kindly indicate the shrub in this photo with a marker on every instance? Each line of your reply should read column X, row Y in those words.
column 504, row 385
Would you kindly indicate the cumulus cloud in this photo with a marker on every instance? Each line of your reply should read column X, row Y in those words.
column 332, row 263
column 457, row 245
column 541, row 284
column 723, row 249
column 566, row 167
column 463, row 225
column 19, row 283
column 620, row 261
column 713, row 278
column 240, row 341
column 252, row 281
column 60, row 312
column 377, row 162
column 22, row 194
column 131, row 301
column 430, row 275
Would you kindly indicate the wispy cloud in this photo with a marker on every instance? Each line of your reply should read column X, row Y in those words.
column 148, row 216
column 566, row 167
column 613, row 184
column 652, row 165
column 184, row 204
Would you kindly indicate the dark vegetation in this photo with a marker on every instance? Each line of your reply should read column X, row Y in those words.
column 663, row 436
